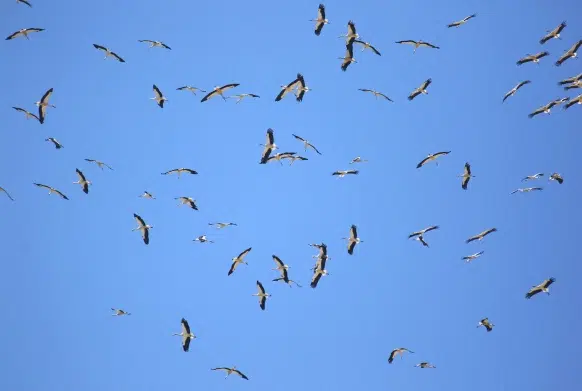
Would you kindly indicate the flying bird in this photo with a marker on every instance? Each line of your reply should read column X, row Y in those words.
column 543, row 287
column 281, row 266
column 24, row 2
column 420, row 238
column 396, row 352
column 570, row 53
column 289, row 87
column 353, row 239
column 321, row 20
column 375, row 93
column 556, row 177
column 466, row 176
column 348, row 58
column 481, row 235
column 159, row 97
column 351, row 34
column 292, row 158
column 367, row 45
column 280, row 156
column 424, row 365
column 229, row 371
column 108, row 53
column 306, row 143
column 343, row 173
column 526, row 190
column 222, row 225
column 147, row 195
column 190, row 88
column 573, row 101
column 99, row 164
column 240, row 97
column 119, row 312
column 27, row 113
column 485, row 323
column 423, row 231
column 572, row 79
column 202, row 239
column 420, row 90
column 262, row 295
column 187, row 201
column 431, row 157
column 186, row 335
column 5, row 192
column 143, row 227
column 514, row 89
column 555, row 33
column 219, row 91
column 535, row 58
column 319, row 272
column 268, row 147
column 358, row 159
column 154, row 44
column 238, row 259
column 43, row 104
column 301, row 90
column 547, row 108
column 576, row 84
column 82, row 181
column 24, row 33
column 533, row 177
column 417, row 44
column 179, row 171
column 472, row 257
column 461, row 22
column 52, row 190
column 55, row 142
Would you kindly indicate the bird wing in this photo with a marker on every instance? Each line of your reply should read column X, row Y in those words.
column 117, row 57
column 245, row 252
column 80, row 175
column 421, row 239
column 533, row 291
column 185, row 326
column 278, row 261
column 229, row 86
column 41, row 185
column 100, row 47
column 408, row 41
column 266, row 155
column 313, row 147
column 62, row 195
column 524, row 60
column 385, row 97
column 536, row 112
column 208, row 96
column 145, row 40
column 299, row 138
column 548, row 282
column 517, row 87
column 426, row 84
column 260, row 287
column 351, row 246
column 157, row 91
column 423, row 161
column 139, row 220
column 4, row 190
column 414, row 94
column 315, row 279
column 240, row 374
column 429, row 45
column 353, row 231
column 46, row 96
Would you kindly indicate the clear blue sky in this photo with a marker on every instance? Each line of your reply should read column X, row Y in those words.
column 65, row 263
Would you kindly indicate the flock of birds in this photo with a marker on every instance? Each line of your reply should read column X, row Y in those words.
column 299, row 88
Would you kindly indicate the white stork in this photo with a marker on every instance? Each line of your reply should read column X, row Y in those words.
column 571, row 79
column 3, row 190
column 556, row 177
column 424, row 365
column 420, row 90
column 485, row 323
column 301, row 90
column 321, row 20
column 119, row 312
column 570, row 53
column 24, row 2
column 262, row 295
column 222, row 225
column 367, row 45
column 431, row 157
column 268, row 147
column 285, row 278
column 554, row 34
column 98, row 163
column 27, row 113
column 159, row 97
column 535, row 58
column 229, row 371
column 576, row 84
column 240, row 97
column 306, row 143
column 43, row 104
column 543, row 287
column 143, row 227
column 417, row 44
column 466, row 176
column 480, row 236
column 286, row 89
column 292, row 158
column 108, row 53
column 353, row 239
column 52, row 190
column 375, row 93
column 471, row 257
column 423, row 231
column 547, row 108
column 82, row 181
column 533, row 177
column 348, row 58
column 55, row 142
column 24, row 33
column 179, row 171
column 155, row 44
column 280, row 156
column 318, row 272
column 239, row 259
column 514, row 89
column 202, row 239
column 190, row 88
column 461, row 22
column 147, row 195
column 187, row 201
column 358, row 159
column 526, row 190
column 343, row 173
column 281, row 266
column 186, row 335
column 219, row 91
column 396, row 352
column 573, row 101
column 351, row 35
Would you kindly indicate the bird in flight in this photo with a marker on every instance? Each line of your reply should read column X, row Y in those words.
column 52, row 190
column 417, row 44
column 420, row 90
column 485, row 323
column 24, row 33
column 535, row 58
column 526, row 190
column 98, row 163
column 471, row 257
column 514, row 89
column 375, row 93
column 306, row 143
column 155, row 44
column 108, row 53
column 543, row 287
column 143, row 227
column 554, row 34
column 230, row 371
column 27, row 113
column 431, row 157
column 396, row 352
column 321, row 19
column 3, row 190
column 461, row 22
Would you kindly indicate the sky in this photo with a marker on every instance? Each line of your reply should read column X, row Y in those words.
column 66, row 263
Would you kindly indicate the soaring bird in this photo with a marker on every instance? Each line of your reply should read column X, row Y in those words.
column 343, row 173
column 367, row 45
column 570, row 53
column 108, row 53
column 268, row 147
column 514, row 89
column 358, row 159
column 556, row 177
column 353, row 239
column 159, row 97
column 202, row 239
column 423, row 231
column 535, row 58
column 321, row 20
column 375, row 93
column 431, row 157
column 154, row 44
column 24, row 33
column 82, row 181
column 52, row 190
column 547, row 108
column 292, row 158
column 179, row 171
column 119, row 312
column 461, row 22
column 555, row 33
column 576, row 84
column 571, row 79
column 238, row 259
column 425, row 365
column 219, row 91
column 471, row 257
column 485, row 323
column 43, row 104
column 301, row 90
column 396, row 352
column 306, row 143
column 351, row 35
column 526, row 190
column 262, row 295
column 420, row 90
column 318, row 272
column 481, row 235
column 186, row 335
column 543, row 287
column 187, row 201
column 222, row 225
column 190, row 88
column 143, row 227
column 348, row 58
column 574, row 101
column 240, row 97
column 533, row 177
column 281, row 266
column 55, row 142
column 417, row 44
column 280, row 156
column 229, row 371
column 147, row 194
column 3, row 190
column 289, row 87
column 99, row 164
column 27, row 113
column 466, row 176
